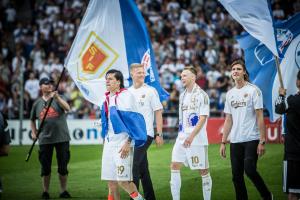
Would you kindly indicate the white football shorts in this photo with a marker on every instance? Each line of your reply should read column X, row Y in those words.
column 115, row 168
column 195, row 156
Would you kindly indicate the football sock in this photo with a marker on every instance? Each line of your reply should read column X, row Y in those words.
column 136, row 196
column 110, row 197
column 206, row 186
column 175, row 184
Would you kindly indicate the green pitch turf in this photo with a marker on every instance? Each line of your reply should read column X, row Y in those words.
column 21, row 180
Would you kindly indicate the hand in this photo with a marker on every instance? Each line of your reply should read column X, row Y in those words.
column 282, row 91
column 223, row 150
column 188, row 141
column 33, row 135
column 125, row 150
column 159, row 141
column 54, row 94
column 260, row 150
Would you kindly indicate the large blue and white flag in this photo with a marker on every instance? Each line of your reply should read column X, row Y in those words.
column 261, row 66
column 112, row 35
column 256, row 18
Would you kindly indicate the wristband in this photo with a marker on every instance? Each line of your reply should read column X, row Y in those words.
column 158, row 134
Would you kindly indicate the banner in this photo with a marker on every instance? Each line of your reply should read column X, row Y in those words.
column 112, row 35
column 86, row 131
column 81, row 132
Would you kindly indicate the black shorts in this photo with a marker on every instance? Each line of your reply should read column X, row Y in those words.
column 62, row 157
column 4, row 137
column 291, row 176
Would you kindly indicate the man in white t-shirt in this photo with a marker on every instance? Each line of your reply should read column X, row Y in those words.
column 191, row 144
column 245, row 123
column 149, row 106
column 118, row 136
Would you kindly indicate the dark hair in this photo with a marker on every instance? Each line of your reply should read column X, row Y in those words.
column 118, row 75
column 242, row 63
column 298, row 75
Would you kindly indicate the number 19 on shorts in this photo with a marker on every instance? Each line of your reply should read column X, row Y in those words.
column 121, row 169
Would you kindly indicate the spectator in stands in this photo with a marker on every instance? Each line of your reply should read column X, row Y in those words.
column 196, row 32
column 32, row 86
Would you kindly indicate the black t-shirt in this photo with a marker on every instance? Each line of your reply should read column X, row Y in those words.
column 292, row 137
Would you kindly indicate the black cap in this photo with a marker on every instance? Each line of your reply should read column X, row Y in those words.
column 298, row 75
column 46, row 81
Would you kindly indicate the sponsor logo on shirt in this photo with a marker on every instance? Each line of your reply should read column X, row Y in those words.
column 51, row 113
column 237, row 104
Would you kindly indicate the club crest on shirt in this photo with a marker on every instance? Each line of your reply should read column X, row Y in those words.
column 193, row 119
column 246, row 95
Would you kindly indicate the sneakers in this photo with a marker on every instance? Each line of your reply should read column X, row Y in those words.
column 45, row 195
column 65, row 195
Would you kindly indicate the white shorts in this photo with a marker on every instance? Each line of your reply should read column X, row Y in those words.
column 115, row 168
column 196, row 157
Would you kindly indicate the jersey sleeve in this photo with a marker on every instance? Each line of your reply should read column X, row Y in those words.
column 227, row 108
column 33, row 112
column 154, row 100
column 257, row 99
column 204, row 105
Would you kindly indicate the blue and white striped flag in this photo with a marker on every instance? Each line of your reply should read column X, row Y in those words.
column 112, row 35
column 260, row 62
column 256, row 18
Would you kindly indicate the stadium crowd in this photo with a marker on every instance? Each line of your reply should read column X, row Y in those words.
column 36, row 36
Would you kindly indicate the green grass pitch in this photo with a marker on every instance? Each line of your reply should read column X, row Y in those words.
column 22, row 180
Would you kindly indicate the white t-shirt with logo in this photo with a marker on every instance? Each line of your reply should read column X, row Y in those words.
column 148, row 102
column 241, row 104
column 191, row 111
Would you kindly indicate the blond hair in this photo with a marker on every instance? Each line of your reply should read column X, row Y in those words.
column 135, row 65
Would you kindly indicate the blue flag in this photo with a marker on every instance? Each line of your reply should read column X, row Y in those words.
column 112, row 35
column 260, row 61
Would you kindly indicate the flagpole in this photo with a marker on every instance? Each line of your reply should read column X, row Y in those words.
column 279, row 72
column 42, row 122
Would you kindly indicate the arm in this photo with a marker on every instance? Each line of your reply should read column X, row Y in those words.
column 61, row 101
column 280, row 107
column 262, row 130
column 4, row 149
column 159, row 124
column 188, row 141
column 33, row 130
column 226, row 130
column 125, row 149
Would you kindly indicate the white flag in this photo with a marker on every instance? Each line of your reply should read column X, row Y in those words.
column 256, row 18
column 112, row 35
